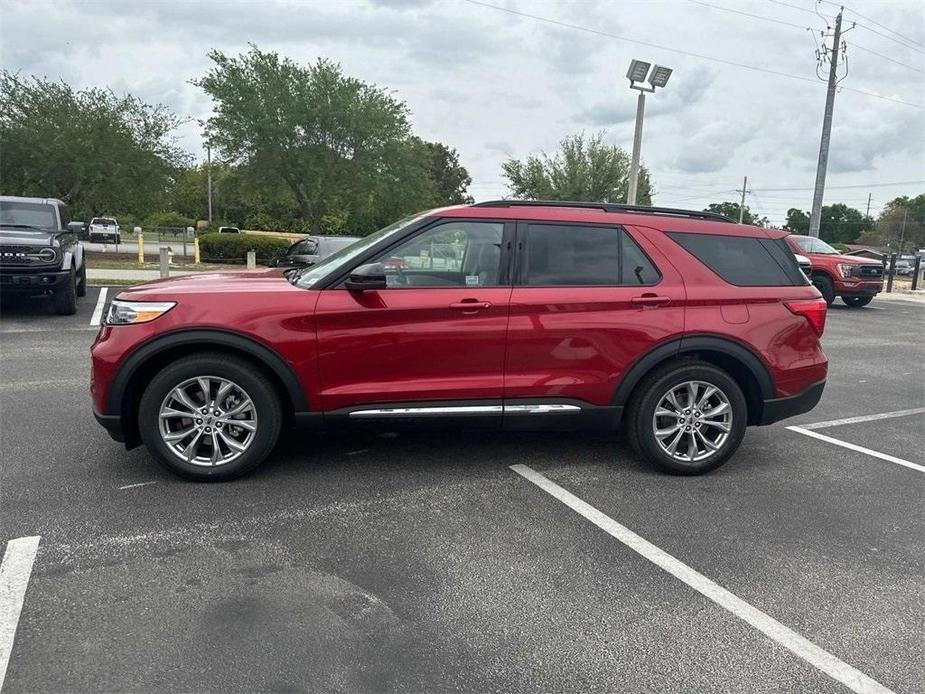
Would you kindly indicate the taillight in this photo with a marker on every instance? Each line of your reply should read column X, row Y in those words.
column 813, row 310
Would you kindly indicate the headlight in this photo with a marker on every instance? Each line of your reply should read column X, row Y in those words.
column 845, row 270
column 131, row 312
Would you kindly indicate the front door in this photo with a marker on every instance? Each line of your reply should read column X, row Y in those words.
column 589, row 299
column 433, row 339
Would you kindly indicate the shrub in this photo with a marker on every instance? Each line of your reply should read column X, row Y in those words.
column 233, row 248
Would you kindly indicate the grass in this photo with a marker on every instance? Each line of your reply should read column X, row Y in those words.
column 129, row 261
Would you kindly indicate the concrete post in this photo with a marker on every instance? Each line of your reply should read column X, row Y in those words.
column 251, row 260
column 165, row 263
column 141, row 244
column 196, row 250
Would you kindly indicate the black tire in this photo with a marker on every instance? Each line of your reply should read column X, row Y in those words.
column 857, row 301
column 252, row 380
column 82, row 280
column 639, row 421
column 825, row 287
column 66, row 296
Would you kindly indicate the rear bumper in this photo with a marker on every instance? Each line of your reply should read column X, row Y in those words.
column 14, row 281
column 782, row 408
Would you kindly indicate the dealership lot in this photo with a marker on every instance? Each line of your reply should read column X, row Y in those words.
column 424, row 562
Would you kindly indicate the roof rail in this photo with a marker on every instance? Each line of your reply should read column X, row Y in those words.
column 606, row 207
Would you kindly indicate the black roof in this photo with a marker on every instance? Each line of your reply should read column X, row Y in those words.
column 607, row 207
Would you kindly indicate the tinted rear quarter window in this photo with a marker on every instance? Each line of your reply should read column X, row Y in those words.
column 744, row 261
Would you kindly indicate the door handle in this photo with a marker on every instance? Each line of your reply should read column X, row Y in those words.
column 650, row 300
column 470, row 305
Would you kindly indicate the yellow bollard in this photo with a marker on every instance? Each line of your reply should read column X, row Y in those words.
column 141, row 248
column 196, row 251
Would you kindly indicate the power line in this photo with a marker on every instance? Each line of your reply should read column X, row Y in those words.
column 691, row 54
column 859, row 185
column 855, row 44
column 874, row 21
column 795, row 7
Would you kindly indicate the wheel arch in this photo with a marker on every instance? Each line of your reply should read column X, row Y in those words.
column 738, row 360
column 141, row 366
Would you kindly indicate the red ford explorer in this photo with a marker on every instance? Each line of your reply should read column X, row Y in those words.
column 680, row 328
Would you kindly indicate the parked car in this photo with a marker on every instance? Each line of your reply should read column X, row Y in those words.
column 82, row 229
column 229, row 230
column 104, row 230
column 680, row 328
column 39, row 254
column 904, row 267
column 856, row 280
column 310, row 250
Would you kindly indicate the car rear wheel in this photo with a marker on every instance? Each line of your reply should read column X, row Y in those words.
column 687, row 418
column 857, row 301
column 825, row 287
column 66, row 296
column 210, row 417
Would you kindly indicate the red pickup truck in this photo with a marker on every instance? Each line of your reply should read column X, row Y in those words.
column 856, row 280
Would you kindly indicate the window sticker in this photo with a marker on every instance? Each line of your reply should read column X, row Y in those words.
column 472, row 280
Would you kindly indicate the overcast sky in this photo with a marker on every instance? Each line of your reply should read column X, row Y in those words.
column 495, row 84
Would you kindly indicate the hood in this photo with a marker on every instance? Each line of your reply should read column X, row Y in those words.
column 855, row 260
column 221, row 282
column 27, row 237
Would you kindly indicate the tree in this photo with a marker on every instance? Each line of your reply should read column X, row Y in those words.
column 97, row 151
column 343, row 149
column 901, row 225
column 731, row 210
column 449, row 176
column 838, row 223
column 582, row 169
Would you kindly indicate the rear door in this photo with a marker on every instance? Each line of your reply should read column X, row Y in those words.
column 588, row 300
column 434, row 338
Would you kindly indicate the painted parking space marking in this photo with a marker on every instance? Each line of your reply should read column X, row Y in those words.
column 137, row 484
column 100, row 304
column 15, row 570
column 859, row 449
column 819, row 658
column 863, row 418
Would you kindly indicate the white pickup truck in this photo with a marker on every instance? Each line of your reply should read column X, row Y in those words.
column 104, row 230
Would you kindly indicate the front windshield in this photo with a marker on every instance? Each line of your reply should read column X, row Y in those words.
column 309, row 276
column 813, row 245
column 27, row 214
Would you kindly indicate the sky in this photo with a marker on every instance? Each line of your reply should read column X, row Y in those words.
column 485, row 78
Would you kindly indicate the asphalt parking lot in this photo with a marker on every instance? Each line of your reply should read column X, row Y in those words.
column 424, row 562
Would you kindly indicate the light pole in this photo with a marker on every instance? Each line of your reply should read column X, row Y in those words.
column 637, row 76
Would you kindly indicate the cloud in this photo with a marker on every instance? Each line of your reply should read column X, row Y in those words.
column 712, row 147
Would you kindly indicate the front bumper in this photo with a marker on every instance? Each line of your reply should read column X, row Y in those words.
column 781, row 408
column 12, row 280
column 860, row 288
column 112, row 423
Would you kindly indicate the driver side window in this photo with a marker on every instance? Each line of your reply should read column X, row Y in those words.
column 454, row 254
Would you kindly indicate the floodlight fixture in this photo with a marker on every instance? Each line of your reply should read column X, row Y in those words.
column 638, row 71
column 659, row 76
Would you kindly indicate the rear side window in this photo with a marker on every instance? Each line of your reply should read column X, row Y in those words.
column 744, row 261
column 568, row 255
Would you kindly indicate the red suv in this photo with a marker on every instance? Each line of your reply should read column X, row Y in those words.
column 856, row 280
column 680, row 328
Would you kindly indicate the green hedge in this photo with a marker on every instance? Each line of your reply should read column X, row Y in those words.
column 233, row 248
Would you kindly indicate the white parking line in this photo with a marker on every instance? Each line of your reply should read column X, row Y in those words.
column 98, row 311
column 859, row 449
column 137, row 484
column 864, row 418
column 821, row 659
column 14, row 578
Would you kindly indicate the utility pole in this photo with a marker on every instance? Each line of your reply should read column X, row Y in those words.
column 742, row 204
column 816, row 216
column 867, row 214
column 902, row 232
column 209, row 176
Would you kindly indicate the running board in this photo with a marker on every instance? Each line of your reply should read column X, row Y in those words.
column 551, row 408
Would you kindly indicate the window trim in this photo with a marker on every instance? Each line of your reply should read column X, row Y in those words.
column 521, row 246
column 504, row 268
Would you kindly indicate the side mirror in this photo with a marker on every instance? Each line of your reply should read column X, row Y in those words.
column 371, row 276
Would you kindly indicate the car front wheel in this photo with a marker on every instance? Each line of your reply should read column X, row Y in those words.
column 687, row 418
column 856, row 301
column 210, row 417
column 65, row 296
column 825, row 287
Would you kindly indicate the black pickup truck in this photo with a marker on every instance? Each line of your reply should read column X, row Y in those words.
column 38, row 253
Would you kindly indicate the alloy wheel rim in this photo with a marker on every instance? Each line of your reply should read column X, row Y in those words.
column 207, row 421
column 692, row 421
